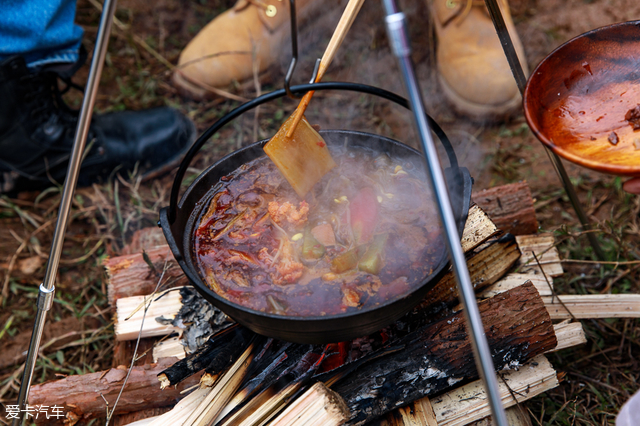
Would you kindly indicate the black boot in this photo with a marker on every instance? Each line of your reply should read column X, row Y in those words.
column 37, row 131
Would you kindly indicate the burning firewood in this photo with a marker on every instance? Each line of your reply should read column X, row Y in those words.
column 215, row 355
column 468, row 403
column 437, row 357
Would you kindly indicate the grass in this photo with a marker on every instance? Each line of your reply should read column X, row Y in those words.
column 599, row 376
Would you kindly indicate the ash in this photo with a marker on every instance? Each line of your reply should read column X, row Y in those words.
column 198, row 318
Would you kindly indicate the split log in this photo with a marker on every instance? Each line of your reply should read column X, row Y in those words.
column 543, row 246
column 591, row 306
column 170, row 348
column 82, row 396
column 516, row 416
column 420, row 413
column 130, row 313
column 130, row 275
column 469, row 403
column 435, row 358
column 514, row 280
column 477, row 229
column 145, row 239
column 532, row 379
column 510, row 207
column 569, row 334
column 318, row 406
column 485, row 268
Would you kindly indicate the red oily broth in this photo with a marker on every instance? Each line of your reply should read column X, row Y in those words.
column 366, row 234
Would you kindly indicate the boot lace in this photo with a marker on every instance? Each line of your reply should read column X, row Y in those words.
column 463, row 8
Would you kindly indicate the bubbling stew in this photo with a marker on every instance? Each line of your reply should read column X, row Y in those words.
column 365, row 235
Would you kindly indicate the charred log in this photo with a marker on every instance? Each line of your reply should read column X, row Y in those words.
column 215, row 353
column 199, row 319
column 439, row 355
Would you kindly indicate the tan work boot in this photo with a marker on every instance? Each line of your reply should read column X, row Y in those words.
column 473, row 70
column 253, row 32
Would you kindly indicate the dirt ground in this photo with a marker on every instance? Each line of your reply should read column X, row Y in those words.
column 600, row 376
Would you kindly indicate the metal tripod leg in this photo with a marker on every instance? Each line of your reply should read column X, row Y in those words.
column 47, row 288
column 396, row 26
column 521, row 81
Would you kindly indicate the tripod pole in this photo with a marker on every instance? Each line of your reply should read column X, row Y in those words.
column 47, row 288
column 396, row 27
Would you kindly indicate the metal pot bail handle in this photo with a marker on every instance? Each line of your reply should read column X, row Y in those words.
column 300, row 89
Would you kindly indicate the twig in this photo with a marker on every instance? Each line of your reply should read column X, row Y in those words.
column 5, row 285
column 614, row 389
column 602, row 262
column 135, row 351
column 554, row 295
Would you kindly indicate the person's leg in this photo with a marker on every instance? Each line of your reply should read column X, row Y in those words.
column 42, row 32
column 37, row 128
column 473, row 71
column 253, row 32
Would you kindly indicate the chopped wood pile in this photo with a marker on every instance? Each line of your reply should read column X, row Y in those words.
column 418, row 371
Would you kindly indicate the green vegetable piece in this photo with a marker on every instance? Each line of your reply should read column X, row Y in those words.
column 371, row 262
column 347, row 260
column 311, row 248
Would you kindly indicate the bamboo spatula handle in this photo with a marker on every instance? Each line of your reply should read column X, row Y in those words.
column 349, row 14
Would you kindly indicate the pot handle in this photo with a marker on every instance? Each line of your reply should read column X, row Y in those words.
column 300, row 89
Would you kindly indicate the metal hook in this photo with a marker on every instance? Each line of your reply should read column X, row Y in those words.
column 294, row 50
column 315, row 71
column 294, row 55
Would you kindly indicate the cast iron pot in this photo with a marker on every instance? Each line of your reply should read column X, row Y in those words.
column 179, row 220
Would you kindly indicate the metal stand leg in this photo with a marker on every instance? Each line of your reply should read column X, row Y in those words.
column 521, row 81
column 396, row 26
column 47, row 288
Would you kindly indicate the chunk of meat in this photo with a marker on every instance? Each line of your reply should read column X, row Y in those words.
column 288, row 269
column 350, row 298
column 287, row 212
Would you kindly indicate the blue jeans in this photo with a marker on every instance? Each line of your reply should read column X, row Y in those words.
column 42, row 31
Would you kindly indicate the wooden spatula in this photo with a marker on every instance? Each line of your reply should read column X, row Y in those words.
column 297, row 149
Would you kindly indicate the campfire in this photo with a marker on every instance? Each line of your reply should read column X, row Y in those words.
column 420, row 370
